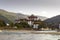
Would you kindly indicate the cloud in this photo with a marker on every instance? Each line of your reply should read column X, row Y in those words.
column 32, row 6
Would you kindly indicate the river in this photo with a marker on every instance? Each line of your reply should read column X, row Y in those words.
column 27, row 36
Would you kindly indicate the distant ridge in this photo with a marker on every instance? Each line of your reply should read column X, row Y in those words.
column 53, row 21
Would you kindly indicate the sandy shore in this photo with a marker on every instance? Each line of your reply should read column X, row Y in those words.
column 46, row 33
column 30, row 31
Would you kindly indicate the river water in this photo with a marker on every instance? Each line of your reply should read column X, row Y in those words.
column 27, row 36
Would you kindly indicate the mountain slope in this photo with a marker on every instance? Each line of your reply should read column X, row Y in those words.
column 13, row 16
column 54, row 20
column 4, row 19
column 10, row 15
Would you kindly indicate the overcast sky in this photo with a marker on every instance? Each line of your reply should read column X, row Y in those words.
column 47, row 8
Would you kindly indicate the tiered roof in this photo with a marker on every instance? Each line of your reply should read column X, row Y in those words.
column 32, row 16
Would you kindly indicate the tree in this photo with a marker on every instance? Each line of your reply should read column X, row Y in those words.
column 42, row 24
column 11, row 24
column 19, row 26
column 2, row 23
column 22, row 25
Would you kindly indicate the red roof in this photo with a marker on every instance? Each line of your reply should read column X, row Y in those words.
column 32, row 16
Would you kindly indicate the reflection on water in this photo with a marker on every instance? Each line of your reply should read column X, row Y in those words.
column 22, row 36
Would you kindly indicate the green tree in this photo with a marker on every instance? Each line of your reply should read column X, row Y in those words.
column 42, row 24
column 22, row 25
column 11, row 24
column 2, row 23
column 19, row 26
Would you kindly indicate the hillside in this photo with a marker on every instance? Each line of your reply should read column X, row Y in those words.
column 4, row 19
column 10, row 15
column 54, row 20
column 13, row 16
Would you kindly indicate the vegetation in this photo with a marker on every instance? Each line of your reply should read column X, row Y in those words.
column 10, row 17
column 22, row 25
column 11, row 24
column 42, row 24
column 2, row 23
